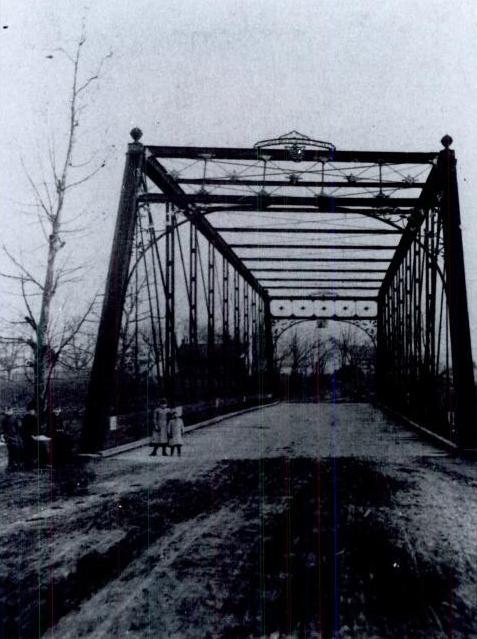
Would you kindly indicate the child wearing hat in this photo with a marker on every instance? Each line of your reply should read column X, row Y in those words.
column 176, row 429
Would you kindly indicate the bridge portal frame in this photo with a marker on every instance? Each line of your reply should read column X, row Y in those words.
column 409, row 332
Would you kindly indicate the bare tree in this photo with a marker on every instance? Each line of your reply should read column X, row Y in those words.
column 46, row 340
column 10, row 357
column 320, row 356
column 304, row 356
column 350, row 350
column 77, row 355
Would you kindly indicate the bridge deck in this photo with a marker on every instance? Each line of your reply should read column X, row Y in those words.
column 301, row 519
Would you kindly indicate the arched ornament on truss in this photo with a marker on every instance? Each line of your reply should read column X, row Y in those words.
column 369, row 327
column 296, row 143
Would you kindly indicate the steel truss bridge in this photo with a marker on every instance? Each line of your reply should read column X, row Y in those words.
column 213, row 245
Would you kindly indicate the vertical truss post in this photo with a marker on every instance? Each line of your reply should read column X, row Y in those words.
column 462, row 365
column 101, row 383
column 427, row 295
column 408, row 294
column 211, row 359
column 170, row 307
column 193, row 286
column 225, row 300
column 136, row 305
column 401, row 323
column 417, row 306
column 413, row 309
column 381, row 344
column 254, row 352
column 261, row 365
column 211, row 298
column 246, row 326
column 236, row 308
column 268, row 339
column 432, row 257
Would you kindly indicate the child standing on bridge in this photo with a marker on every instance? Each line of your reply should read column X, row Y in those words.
column 159, row 428
column 176, row 427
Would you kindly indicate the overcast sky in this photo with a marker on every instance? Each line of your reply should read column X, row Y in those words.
column 362, row 74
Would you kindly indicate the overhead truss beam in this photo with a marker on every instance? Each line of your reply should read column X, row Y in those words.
column 299, row 287
column 324, row 298
column 283, row 155
column 316, row 270
column 349, row 184
column 263, row 200
column 335, row 278
column 279, row 258
column 335, row 316
column 317, row 231
column 318, row 247
column 379, row 213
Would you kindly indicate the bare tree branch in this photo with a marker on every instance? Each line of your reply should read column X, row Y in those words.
column 86, row 178
column 22, row 268
column 28, row 307
column 74, row 330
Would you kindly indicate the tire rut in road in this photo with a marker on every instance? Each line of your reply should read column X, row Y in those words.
column 294, row 546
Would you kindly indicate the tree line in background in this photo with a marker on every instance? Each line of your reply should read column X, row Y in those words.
column 340, row 365
column 306, row 366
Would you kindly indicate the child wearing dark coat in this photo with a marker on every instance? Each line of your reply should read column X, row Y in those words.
column 13, row 439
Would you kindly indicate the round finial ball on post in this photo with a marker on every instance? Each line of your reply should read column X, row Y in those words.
column 446, row 141
column 136, row 134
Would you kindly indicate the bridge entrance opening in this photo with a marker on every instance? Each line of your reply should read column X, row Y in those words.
column 216, row 247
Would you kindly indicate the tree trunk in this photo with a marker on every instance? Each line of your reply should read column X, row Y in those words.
column 42, row 354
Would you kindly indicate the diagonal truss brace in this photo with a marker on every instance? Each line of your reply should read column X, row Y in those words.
column 171, row 189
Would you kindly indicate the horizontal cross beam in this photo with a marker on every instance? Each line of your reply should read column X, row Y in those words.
column 262, row 201
column 314, row 316
column 279, row 258
column 378, row 213
column 317, row 270
column 283, row 155
column 323, row 298
column 342, row 184
column 262, row 229
column 334, row 247
column 322, row 288
column 334, row 279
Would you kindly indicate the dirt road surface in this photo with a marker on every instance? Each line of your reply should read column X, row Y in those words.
column 297, row 520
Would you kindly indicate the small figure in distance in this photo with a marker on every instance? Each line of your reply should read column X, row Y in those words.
column 159, row 428
column 13, row 439
column 176, row 428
